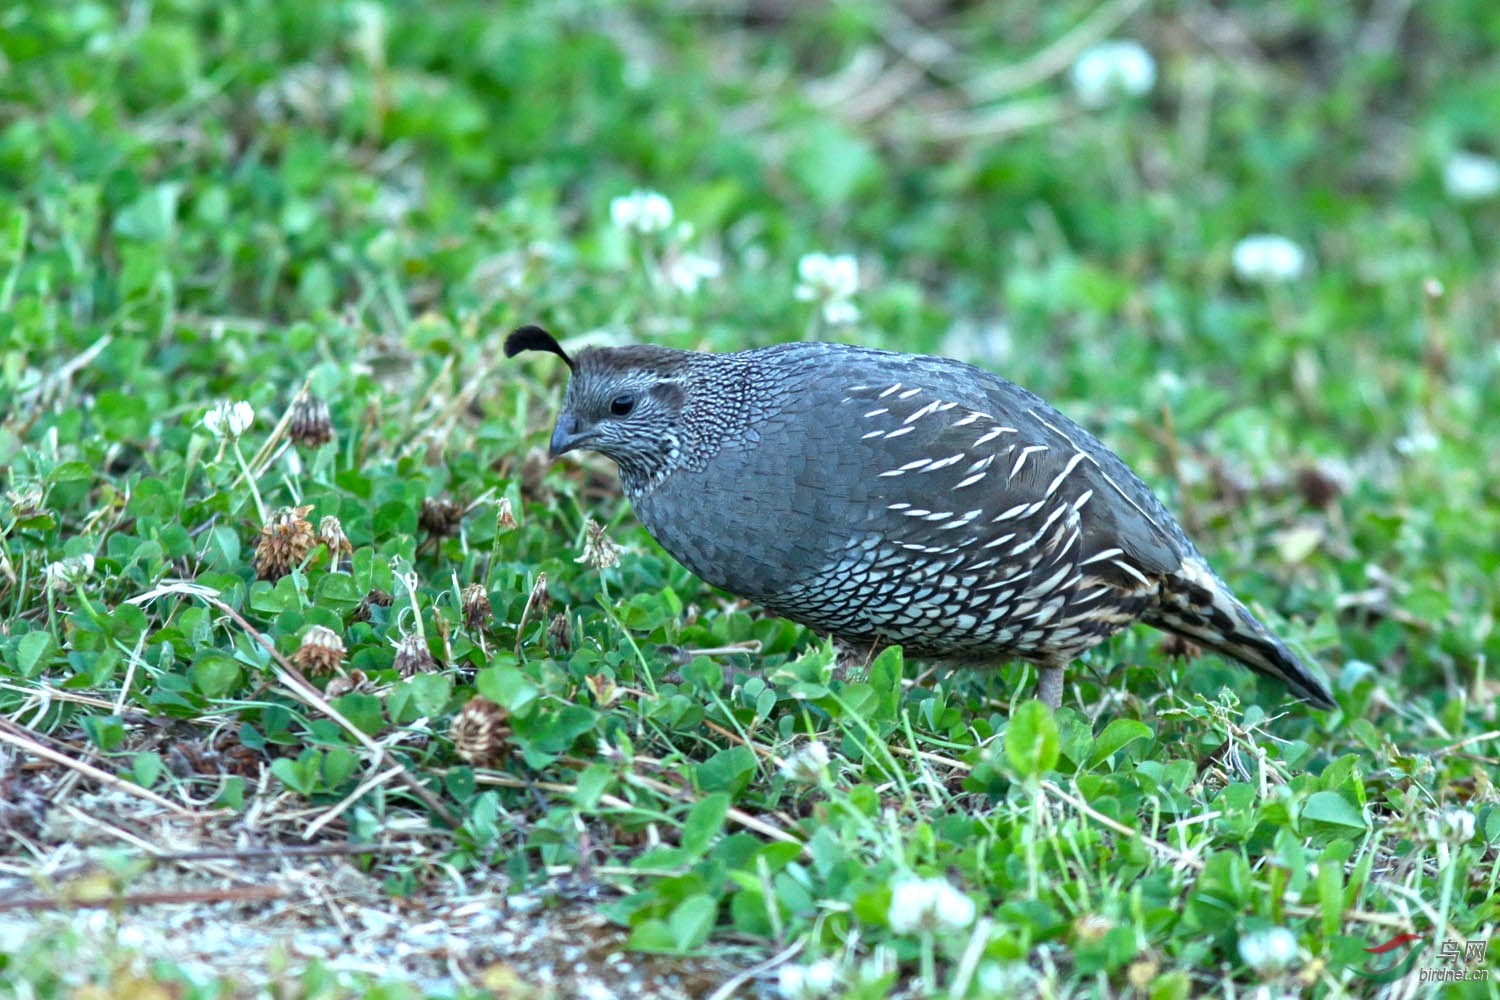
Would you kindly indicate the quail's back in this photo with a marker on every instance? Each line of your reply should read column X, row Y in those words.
column 895, row 498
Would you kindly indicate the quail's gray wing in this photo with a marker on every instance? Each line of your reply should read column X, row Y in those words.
column 970, row 518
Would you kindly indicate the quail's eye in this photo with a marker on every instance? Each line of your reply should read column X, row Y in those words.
column 621, row 406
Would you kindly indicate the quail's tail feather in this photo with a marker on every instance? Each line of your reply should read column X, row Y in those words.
column 1200, row 607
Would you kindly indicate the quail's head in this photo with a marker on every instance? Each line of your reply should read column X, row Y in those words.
column 625, row 403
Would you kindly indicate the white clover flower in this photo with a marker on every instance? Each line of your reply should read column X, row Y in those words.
column 1166, row 386
column 840, row 312
column 822, row 975
column 1269, row 953
column 910, row 901
column 808, row 765
column 505, row 516
column 1265, row 258
column 1451, row 826
column 70, row 572
column 929, row 906
column 1120, row 68
column 641, row 212
column 1167, row 382
column 229, row 420
column 687, row 271
column 25, row 500
column 830, row 281
column 371, row 26
column 599, row 550
column 1471, row 176
column 807, row 982
column 827, row 277
column 954, row 910
column 1419, row 440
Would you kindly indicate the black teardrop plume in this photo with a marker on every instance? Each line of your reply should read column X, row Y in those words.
column 533, row 338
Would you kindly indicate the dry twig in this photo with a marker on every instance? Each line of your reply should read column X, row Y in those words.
column 19, row 736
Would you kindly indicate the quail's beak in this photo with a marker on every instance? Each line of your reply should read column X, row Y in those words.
column 566, row 435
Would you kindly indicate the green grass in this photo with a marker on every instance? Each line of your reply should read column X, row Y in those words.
column 205, row 202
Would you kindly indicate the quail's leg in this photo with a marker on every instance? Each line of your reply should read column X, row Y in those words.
column 851, row 657
column 1050, row 684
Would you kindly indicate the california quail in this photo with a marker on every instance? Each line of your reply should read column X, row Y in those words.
column 895, row 498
